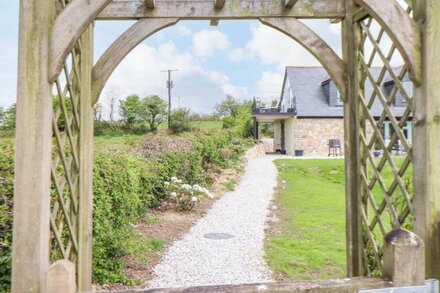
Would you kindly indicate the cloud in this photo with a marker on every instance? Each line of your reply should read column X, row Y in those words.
column 274, row 48
column 236, row 55
column 269, row 84
column 183, row 31
column 207, row 42
column 195, row 86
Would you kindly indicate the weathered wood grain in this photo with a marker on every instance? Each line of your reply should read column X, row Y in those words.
column 351, row 35
column 402, row 30
column 67, row 29
column 33, row 144
column 138, row 32
column 426, row 138
column 233, row 9
column 313, row 43
column 150, row 4
column 290, row 3
column 219, row 4
column 85, row 218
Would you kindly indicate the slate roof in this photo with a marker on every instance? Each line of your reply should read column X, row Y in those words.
column 311, row 99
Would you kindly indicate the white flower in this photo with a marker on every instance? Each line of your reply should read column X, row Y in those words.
column 209, row 194
column 173, row 194
column 194, row 199
column 166, row 183
column 186, row 187
column 174, row 179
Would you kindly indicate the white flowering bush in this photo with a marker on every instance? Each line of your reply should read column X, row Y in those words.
column 185, row 195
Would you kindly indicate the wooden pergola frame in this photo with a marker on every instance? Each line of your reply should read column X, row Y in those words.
column 53, row 33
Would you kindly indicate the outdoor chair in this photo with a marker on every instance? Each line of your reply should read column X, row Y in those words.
column 334, row 148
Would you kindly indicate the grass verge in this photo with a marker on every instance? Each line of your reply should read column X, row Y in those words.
column 308, row 241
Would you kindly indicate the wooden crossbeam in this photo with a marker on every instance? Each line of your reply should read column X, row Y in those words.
column 150, row 4
column 248, row 9
column 290, row 3
column 219, row 4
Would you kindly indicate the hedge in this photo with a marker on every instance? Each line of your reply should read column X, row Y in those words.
column 126, row 184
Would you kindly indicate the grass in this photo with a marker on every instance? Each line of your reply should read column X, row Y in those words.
column 310, row 243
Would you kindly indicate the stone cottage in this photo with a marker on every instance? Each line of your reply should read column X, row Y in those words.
column 310, row 112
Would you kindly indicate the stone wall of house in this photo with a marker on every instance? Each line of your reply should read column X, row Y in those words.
column 313, row 135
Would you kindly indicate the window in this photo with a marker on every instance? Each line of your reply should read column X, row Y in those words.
column 408, row 86
column 339, row 101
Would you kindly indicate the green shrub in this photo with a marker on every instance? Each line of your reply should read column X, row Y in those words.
column 127, row 182
column 179, row 121
column 6, row 193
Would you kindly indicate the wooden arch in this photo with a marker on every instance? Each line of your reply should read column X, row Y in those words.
column 144, row 28
column 400, row 27
column 120, row 48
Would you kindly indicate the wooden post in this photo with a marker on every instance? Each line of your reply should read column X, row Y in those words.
column 85, row 223
column 61, row 277
column 426, row 137
column 350, row 35
column 30, row 251
column 404, row 258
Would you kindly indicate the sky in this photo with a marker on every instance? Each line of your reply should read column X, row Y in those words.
column 242, row 58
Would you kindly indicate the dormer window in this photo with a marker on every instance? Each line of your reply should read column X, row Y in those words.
column 408, row 86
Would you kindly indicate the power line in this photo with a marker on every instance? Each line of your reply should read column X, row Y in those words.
column 170, row 85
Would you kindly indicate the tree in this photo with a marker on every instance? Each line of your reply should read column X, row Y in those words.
column 155, row 111
column 228, row 107
column 8, row 117
column 112, row 96
column 97, row 111
column 131, row 110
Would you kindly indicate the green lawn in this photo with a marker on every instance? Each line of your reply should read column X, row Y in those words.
column 215, row 124
column 311, row 244
column 311, row 241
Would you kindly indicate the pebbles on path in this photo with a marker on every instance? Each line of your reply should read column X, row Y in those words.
column 221, row 259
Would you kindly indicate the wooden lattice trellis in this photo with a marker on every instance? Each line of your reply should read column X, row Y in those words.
column 57, row 84
column 386, row 205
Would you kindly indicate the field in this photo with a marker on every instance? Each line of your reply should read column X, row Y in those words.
column 308, row 242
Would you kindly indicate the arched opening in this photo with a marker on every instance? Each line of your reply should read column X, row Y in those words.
column 363, row 171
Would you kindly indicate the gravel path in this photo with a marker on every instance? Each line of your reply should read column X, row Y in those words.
column 195, row 260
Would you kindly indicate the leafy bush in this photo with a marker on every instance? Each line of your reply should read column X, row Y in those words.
column 127, row 182
column 180, row 121
column 185, row 196
column 6, row 193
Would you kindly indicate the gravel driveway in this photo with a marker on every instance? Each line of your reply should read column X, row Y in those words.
column 240, row 215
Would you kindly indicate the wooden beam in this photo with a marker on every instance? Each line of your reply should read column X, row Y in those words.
column 402, row 30
column 351, row 32
column 85, row 219
column 219, row 4
column 426, row 137
column 33, row 146
column 150, row 4
column 313, row 43
column 67, row 29
column 290, row 3
column 232, row 9
column 120, row 48
column 328, row 286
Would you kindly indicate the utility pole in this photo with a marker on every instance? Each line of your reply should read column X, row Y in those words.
column 169, row 86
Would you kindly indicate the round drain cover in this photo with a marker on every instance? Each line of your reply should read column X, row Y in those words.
column 218, row 236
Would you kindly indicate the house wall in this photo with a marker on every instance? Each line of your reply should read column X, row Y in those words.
column 289, row 128
column 313, row 135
